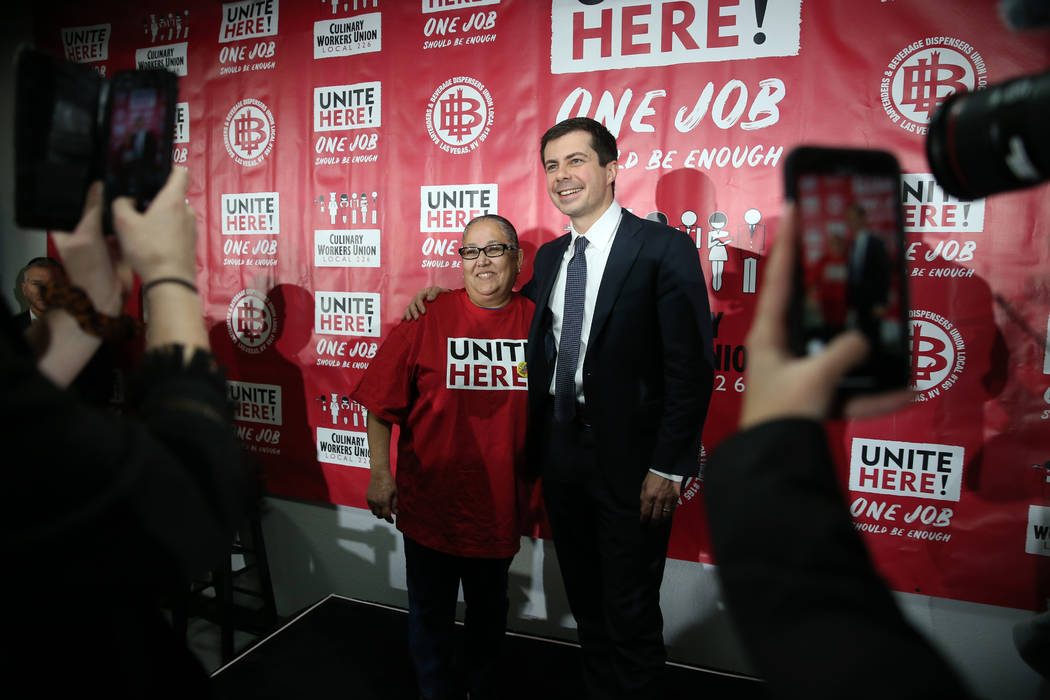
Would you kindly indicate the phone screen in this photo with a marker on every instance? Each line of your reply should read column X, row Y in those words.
column 140, row 121
column 137, row 120
column 850, row 272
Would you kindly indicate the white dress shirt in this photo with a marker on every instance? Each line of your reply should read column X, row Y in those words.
column 599, row 243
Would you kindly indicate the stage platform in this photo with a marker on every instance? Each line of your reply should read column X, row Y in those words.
column 341, row 647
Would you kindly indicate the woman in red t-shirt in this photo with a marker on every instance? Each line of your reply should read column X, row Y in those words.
column 456, row 384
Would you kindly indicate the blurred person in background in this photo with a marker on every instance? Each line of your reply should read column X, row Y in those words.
column 36, row 275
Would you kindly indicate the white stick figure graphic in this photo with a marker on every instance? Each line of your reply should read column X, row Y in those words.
column 751, row 247
column 689, row 221
column 333, row 206
column 716, row 247
column 334, row 409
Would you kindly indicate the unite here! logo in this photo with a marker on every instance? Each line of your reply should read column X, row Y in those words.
column 346, row 313
column 449, row 208
column 87, row 44
column 598, row 36
column 251, row 213
column 430, row 6
column 924, row 74
column 483, row 364
column 445, row 210
column 256, row 214
column 249, row 132
column 255, row 403
column 344, row 107
column 249, row 19
column 906, row 469
column 460, row 114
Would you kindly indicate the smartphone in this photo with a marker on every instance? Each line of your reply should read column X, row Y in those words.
column 850, row 270
column 140, row 128
column 57, row 132
column 73, row 127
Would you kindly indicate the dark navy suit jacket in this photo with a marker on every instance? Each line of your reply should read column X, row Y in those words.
column 648, row 372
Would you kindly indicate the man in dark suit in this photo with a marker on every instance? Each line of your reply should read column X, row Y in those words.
column 620, row 375
column 36, row 275
column 868, row 275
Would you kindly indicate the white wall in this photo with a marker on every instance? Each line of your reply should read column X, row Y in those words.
column 319, row 549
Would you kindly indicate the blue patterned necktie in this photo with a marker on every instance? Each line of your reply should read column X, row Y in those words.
column 571, row 326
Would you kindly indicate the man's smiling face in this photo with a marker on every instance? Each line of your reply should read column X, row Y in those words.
column 579, row 186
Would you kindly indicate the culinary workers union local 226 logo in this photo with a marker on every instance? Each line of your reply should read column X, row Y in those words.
column 459, row 116
column 250, row 321
column 249, row 132
column 938, row 354
column 924, row 74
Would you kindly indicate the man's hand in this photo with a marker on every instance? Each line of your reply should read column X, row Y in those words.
column 382, row 495
column 659, row 498
column 780, row 385
column 418, row 306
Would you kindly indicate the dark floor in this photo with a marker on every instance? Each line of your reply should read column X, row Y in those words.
column 355, row 649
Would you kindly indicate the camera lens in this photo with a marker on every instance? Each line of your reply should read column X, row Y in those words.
column 993, row 140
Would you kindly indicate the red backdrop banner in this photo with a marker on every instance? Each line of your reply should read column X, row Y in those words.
column 337, row 147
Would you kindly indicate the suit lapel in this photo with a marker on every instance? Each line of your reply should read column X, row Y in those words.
column 625, row 249
column 546, row 281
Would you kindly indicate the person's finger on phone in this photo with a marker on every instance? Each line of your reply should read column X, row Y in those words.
column 842, row 354
column 877, row 404
column 161, row 241
column 175, row 187
column 173, row 191
column 86, row 256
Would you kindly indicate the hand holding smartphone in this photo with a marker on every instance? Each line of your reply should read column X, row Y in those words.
column 72, row 127
column 140, row 123
column 850, row 269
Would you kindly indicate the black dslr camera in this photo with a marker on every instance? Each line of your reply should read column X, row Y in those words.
column 993, row 140
column 72, row 127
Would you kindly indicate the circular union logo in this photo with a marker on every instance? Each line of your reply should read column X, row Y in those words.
column 926, row 73
column 460, row 114
column 250, row 321
column 938, row 354
column 691, row 485
column 249, row 132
